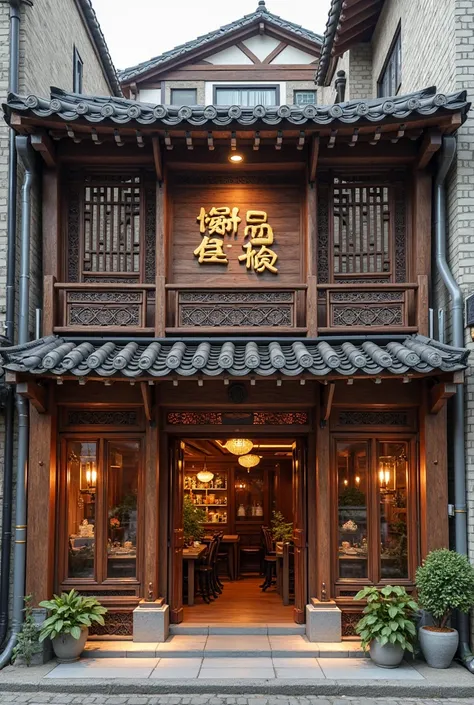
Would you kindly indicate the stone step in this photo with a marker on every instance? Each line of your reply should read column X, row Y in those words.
column 250, row 628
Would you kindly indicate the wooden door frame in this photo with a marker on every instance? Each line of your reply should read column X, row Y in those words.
column 301, row 440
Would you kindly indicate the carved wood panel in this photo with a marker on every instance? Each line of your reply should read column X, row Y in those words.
column 236, row 308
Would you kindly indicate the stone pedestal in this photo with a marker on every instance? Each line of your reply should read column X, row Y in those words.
column 323, row 621
column 151, row 622
column 46, row 653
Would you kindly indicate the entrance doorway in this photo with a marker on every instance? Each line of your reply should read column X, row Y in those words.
column 237, row 530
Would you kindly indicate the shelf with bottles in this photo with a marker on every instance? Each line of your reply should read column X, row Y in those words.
column 249, row 495
column 211, row 496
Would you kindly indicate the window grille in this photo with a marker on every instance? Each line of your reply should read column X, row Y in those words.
column 111, row 234
column 361, row 228
column 304, row 97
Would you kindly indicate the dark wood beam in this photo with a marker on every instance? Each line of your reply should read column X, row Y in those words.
column 273, row 54
column 249, row 54
column 157, row 158
column 43, row 144
column 36, row 394
column 439, row 394
column 327, row 396
column 429, row 146
column 145, row 389
column 313, row 158
column 354, row 20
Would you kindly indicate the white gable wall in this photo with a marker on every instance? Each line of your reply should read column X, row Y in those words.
column 261, row 45
column 230, row 56
column 292, row 55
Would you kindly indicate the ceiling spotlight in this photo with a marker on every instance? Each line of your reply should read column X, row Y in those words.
column 236, row 158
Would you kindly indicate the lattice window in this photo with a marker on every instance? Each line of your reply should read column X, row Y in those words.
column 111, row 225
column 362, row 227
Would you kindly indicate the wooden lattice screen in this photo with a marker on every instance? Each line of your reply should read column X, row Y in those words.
column 362, row 242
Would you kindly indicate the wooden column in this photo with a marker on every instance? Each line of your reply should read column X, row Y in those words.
column 161, row 254
column 41, row 531
column 433, row 477
column 151, row 482
column 421, row 239
column 311, row 245
column 51, row 246
column 312, row 491
column 163, row 516
column 323, row 508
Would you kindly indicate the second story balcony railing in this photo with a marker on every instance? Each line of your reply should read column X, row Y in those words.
column 170, row 309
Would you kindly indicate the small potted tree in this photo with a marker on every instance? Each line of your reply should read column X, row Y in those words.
column 193, row 520
column 71, row 615
column 282, row 530
column 387, row 628
column 445, row 582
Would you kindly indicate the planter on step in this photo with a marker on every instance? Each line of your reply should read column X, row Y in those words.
column 386, row 655
column 438, row 644
column 68, row 649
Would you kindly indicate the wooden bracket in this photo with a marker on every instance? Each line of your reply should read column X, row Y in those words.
column 147, row 400
column 36, row 394
column 313, row 159
column 429, row 146
column 439, row 394
column 327, row 396
column 157, row 158
column 43, row 144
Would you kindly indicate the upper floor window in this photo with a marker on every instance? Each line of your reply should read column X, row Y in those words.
column 78, row 71
column 391, row 76
column 247, row 96
column 183, row 96
column 304, row 97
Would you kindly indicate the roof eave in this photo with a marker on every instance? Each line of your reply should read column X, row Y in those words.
column 98, row 38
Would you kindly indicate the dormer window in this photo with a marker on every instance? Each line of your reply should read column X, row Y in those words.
column 304, row 97
column 183, row 96
column 247, row 96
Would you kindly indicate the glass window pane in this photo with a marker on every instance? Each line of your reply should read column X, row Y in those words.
column 305, row 97
column 392, row 469
column 81, row 512
column 123, row 462
column 352, row 479
column 246, row 96
column 183, row 96
column 248, row 494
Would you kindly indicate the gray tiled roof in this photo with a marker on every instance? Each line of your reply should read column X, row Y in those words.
column 135, row 359
column 260, row 14
column 121, row 111
column 328, row 38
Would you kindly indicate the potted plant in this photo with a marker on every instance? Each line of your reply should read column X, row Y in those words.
column 387, row 627
column 282, row 530
column 71, row 615
column 193, row 520
column 445, row 582
column 27, row 644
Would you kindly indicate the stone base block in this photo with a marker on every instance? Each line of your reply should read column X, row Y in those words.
column 151, row 623
column 323, row 624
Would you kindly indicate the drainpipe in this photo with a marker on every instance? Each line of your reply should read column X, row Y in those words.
column 444, row 163
column 6, row 535
column 19, row 551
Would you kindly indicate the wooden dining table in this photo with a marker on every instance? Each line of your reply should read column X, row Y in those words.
column 191, row 554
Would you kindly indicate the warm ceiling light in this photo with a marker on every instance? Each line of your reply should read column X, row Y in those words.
column 249, row 461
column 239, row 446
column 236, row 158
column 205, row 475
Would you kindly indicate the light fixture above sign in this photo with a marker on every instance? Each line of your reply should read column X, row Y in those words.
column 249, row 461
column 236, row 158
column 239, row 446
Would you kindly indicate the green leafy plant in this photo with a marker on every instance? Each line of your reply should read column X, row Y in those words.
column 388, row 617
column 351, row 497
column 70, row 614
column 445, row 582
column 27, row 644
column 193, row 520
column 281, row 530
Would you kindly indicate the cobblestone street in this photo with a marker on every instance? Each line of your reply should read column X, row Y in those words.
column 74, row 699
column 90, row 699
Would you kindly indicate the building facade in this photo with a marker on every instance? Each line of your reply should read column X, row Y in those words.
column 231, row 264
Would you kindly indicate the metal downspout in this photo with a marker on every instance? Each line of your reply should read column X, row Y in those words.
column 19, row 552
column 6, row 535
column 444, row 163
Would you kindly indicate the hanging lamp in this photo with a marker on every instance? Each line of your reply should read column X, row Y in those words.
column 239, row 446
column 205, row 475
column 249, row 461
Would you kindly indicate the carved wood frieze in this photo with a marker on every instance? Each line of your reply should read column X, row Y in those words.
column 96, row 308
column 257, row 418
column 116, row 624
column 150, row 234
column 73, row 232
column 93, row 417
column 373, row 418
column 236, row 308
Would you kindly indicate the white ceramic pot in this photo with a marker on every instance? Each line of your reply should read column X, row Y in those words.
column 386, row 656
column 438, row 647
column 68, row 649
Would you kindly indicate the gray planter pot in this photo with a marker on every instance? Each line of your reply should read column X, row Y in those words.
column 386, row 656
column 438, row 647
column 68, row 649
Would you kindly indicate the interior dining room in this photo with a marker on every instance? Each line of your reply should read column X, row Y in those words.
column 237, row 520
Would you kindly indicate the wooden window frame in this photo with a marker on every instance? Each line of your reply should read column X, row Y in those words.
column 373, row 509
column 100, row 579
column 245, row 86
column 394, row 56
column 78, row 72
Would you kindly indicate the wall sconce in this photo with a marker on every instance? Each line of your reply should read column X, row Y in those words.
column 386, row 471
column 357, row 480
column 88, row 476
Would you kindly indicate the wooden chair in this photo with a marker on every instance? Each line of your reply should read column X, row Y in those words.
column 269, row 560
column 206, row 571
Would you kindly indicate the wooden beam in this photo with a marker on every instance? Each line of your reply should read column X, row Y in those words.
column 313, row 158
column 157, row 158
column 249, row 54
column 439, row 394
column 256, row 142
column 274, row 53
column 43, row 144
column 36, row 394
column 147, row 401
column 300, row 144
column 349, row 25
column 327, row 397
column 430, row 145
column 332, row 139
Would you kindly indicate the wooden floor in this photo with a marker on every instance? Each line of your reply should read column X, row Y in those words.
column 241, row 601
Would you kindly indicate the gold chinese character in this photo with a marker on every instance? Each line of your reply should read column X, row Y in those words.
column 219, row 221
column 261, row 232
column 259, row 260
column 210, row 251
